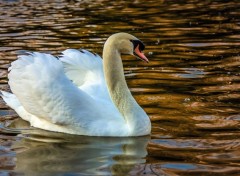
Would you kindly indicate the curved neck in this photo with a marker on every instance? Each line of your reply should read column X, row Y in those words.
column 121, row 96
column 115, row 79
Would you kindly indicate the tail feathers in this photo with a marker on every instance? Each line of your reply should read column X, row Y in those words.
column 10, row 99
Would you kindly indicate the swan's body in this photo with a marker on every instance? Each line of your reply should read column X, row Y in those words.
column 79, row 93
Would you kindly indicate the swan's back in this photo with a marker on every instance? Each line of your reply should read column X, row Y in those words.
column 51, row 101
column 70, row 94
column 39, row 82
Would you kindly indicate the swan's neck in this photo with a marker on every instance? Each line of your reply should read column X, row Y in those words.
column 121, row 96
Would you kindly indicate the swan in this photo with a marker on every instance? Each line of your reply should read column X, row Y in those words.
column 78, row 92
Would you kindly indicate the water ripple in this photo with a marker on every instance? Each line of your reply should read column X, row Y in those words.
column 190, row 89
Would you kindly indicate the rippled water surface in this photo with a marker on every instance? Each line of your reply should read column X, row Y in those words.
column 190, row 88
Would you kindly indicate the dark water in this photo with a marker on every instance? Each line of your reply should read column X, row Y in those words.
column 190, row 88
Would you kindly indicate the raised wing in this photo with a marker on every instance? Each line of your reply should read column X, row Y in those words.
column 85, row 69
column 39, row 82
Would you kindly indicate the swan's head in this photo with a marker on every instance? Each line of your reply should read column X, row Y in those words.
column 128, row 44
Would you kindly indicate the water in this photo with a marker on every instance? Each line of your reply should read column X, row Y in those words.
column 190, row 88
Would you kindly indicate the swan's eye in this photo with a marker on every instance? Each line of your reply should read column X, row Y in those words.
column 136, row 43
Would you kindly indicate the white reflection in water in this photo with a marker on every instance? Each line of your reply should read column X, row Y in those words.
column 51, row 153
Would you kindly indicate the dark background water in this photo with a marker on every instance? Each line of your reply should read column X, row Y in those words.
column 190, row 88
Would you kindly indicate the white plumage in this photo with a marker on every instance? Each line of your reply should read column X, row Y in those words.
column 67, row 95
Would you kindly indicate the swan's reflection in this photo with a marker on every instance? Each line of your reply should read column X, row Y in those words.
column 48, row 153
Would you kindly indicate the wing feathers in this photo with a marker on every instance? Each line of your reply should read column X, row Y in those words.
column 39, row 82
column 82, row 66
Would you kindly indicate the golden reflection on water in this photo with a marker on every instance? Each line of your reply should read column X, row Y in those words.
column 190, row 88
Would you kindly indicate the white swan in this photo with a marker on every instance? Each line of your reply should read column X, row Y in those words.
column 79, row 93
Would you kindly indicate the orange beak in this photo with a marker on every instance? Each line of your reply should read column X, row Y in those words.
column 141, row 55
